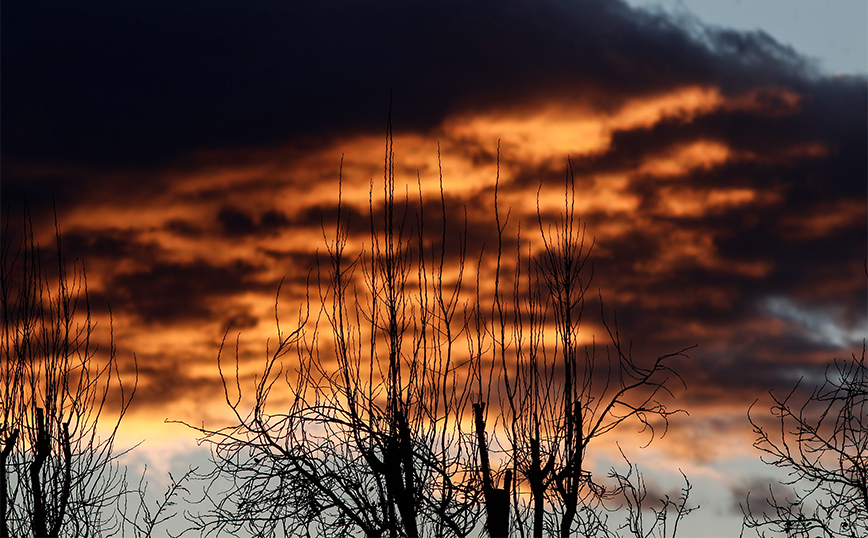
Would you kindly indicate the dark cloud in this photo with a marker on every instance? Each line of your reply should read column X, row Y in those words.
column 755, row 493
column 143, row 82
column 171, row 292
column 274, row 219
column 242, row 321
column 108, row 243
column 235, row 222
column 220, row 193
column 184, row 228
column 164, row 380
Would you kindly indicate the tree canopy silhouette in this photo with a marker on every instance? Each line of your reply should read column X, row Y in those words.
column 821, row 441
column 59, row 474
column 372, row 415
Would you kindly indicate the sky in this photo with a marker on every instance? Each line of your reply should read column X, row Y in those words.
column 719, row 155
column 832, row 35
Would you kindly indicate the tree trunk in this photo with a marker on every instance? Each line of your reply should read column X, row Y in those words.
column 67, row 482
column 573, row 472
column 43, row 450
column 537, row 488
column 498, row 508
column 4, row 501
column 406, row 483
column 496, row 500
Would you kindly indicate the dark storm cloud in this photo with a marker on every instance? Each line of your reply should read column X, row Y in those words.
column 108, row 243
column 274, row 219
column 184, row 228
column 141, row 82
column 235, row 222
column 167, row 379
column 171, row 292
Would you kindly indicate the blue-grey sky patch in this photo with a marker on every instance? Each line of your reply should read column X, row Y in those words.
column 834, row 34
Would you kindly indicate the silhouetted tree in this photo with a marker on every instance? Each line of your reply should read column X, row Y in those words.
column 822, row 443
column 58, row 466
column 371, row 441
column 365, row 421
column 644, row 521
column 557, row 395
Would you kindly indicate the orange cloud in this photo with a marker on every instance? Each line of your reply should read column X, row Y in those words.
column 696, row 202
column 825, row 219
column 678, row 161
column 537, row 133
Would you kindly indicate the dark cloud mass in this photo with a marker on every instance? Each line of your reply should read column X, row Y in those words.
column 235, row 222
column 109, row 243
column 142, row 82
column 166, row 293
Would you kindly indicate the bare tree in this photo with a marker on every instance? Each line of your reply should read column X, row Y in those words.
column 58, row 466
column 370, row 441
column 822, row 443
column 558, row 395
column 644, row 520
column 142, row 516
column 366, row 419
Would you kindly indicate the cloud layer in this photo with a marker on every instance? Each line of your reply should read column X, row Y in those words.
column 193, row 154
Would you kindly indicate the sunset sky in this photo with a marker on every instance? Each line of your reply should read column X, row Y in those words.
column 192, row 149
